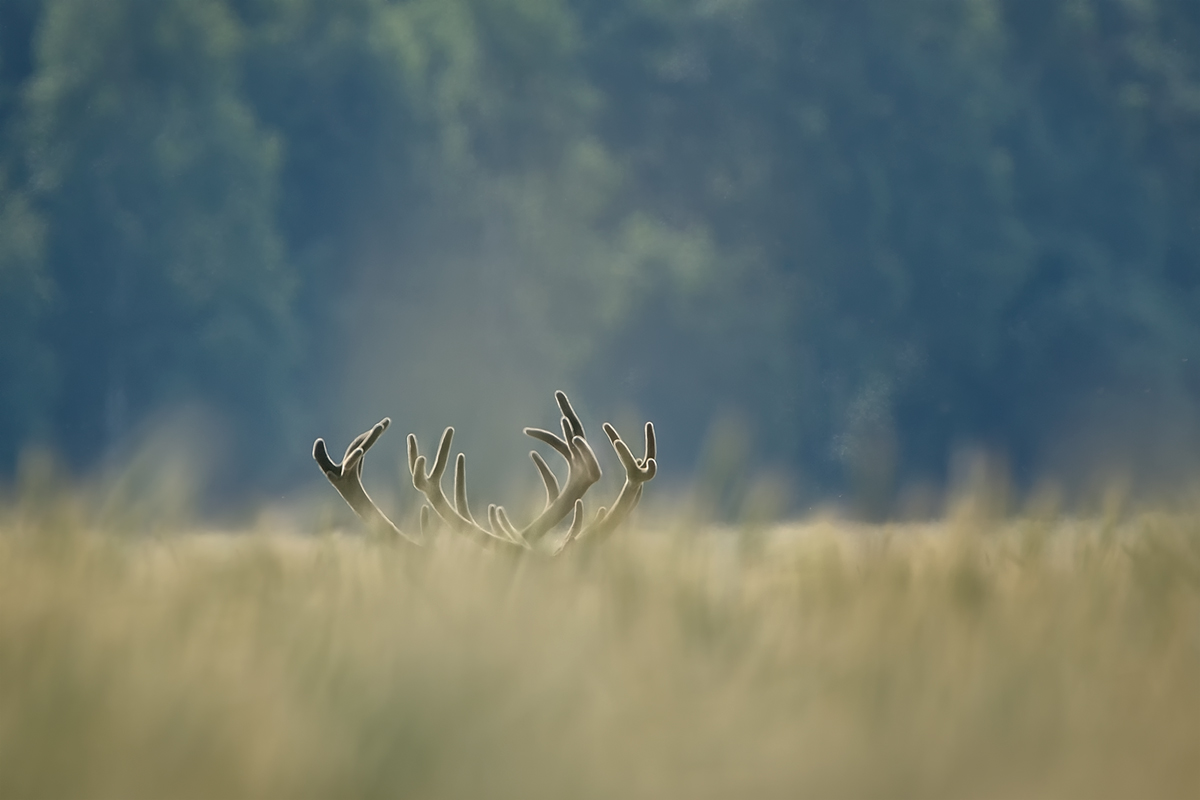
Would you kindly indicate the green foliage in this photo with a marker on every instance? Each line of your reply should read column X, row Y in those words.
column 159, row 187
column 966, row 226
column 877, row 230
column 26, row 293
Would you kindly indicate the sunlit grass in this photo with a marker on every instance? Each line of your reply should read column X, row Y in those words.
column 1038, row 657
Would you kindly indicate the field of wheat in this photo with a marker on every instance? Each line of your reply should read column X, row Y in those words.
column 1038, row 656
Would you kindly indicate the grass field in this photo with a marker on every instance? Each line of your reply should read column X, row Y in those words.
column 1038, row 657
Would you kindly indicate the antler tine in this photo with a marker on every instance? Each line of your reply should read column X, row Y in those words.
column 551, row 439
column 430, row 484
column 637, row 472
column 460, row 489
column 411, row 442
column 576, row 527
column 583, row 470
column 570, row 418
column 346, row 477
column 509, row 528
column 651, row 444
column 500, row 526
column 499, row 521
column 571, row 427
column 552, row 490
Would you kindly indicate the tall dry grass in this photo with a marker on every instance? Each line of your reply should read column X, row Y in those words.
column 1042, row 657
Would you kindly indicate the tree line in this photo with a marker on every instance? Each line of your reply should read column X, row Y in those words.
column 873, row 231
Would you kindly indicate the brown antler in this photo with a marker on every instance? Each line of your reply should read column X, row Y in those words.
column 459, row 516
column 346, row 477
column 637, row 472
column 583, row 470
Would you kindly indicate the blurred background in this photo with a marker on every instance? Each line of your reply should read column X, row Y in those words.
column 833, row 248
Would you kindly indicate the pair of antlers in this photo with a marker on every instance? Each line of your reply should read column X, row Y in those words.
column 583, row 470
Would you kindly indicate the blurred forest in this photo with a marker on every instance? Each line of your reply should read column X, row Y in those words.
column 832, row 243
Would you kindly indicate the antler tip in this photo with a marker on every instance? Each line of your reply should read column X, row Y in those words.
column 418, row 473
column 321, row 456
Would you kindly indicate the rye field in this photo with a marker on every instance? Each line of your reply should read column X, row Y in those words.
column 1042, row 655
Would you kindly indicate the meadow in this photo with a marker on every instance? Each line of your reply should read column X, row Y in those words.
column 977, row 656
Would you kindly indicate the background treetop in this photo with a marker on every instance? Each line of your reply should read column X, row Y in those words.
column 864, row 234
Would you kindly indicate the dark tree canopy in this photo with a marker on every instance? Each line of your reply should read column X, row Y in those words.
column 874, row 231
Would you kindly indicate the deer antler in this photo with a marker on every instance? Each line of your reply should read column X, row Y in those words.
column 583, row 470
column 458, row 516
column 346, row 477
column 637, row 472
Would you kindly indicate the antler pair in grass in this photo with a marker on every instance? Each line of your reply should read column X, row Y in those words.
column 583, row 470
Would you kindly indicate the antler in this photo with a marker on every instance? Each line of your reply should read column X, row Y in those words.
column 583, row 470
column 637, row 472
column 346, row 477
column 458, row 516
